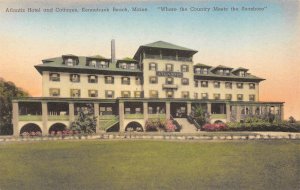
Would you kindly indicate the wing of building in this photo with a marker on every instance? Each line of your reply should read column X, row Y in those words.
column 160, row 81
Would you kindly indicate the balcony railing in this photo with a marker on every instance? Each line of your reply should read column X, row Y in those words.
column 174, row 58
column 157, row 116
column 218, row 116
column 134, row 116
column 58, row 117
column 30, row 117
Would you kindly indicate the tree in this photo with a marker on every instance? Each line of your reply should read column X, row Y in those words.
column 86, row 121
column 8, row 91
column 292, row 119
column 201, row 116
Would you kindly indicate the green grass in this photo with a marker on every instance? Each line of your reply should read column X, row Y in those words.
column 150, row 165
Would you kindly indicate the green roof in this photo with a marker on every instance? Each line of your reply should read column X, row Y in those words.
column 202, row 65
column 240, row 69
column 166, row 45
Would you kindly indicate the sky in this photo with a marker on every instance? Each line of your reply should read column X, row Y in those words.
column 266, row 41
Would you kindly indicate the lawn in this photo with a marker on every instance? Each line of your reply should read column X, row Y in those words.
column 150, row 165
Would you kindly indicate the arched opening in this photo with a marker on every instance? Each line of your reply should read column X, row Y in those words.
column 218, row 122
column 57, row 127
column 134, row 126
column 31, row 129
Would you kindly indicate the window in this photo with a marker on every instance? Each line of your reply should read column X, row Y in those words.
column 138, row 94
column 251, row 85
column 196, row 95
column 228, row 96
column 152, row 66
column 54, row 77
column 198, row 70
column 132, row 66
column 153, row 94
column 184, row 68
column 125, row 94
column 106, row 110
column 205, row 71
column 75, row 78
column 109, row 79
column 123, row 65
column 93, row 63
column 93, row 93
column 125, row 80
column 217, row 96
column 169, row 67
column 240, row 97
column 138, row 110
column 70, row 62
column 127, row 111
column 204, row 84
column 239, row 85
column 221, row 72
column 92, row 79
column 109, row 94
column 228, row 85
column 54, row 92
column 170, row 94
column 251, row 97
column 75, row 93
column 242, row 73
column 227, row 72
column 138, row 81
column 217, row 84
column 185, row 81
column 150, row 110
column 204, row 95
column 169, row 80
column 185, row 94
column 103, row 64
column 153, row 80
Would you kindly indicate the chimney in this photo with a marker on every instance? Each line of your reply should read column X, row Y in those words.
column 113, row 51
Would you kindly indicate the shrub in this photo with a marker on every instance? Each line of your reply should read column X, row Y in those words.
column 214, row 127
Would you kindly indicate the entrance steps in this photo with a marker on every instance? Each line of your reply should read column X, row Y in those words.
column 187, row 127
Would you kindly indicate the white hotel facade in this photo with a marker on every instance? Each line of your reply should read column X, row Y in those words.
column 161, row 81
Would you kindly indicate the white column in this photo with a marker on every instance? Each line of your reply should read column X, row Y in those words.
column 15, row 118
column 96, row 113
column 121, row 116
column 189, row 108
column 44, row 118
column 228, row 112
column 145, row 111
column 71, row 112
column 168, row 110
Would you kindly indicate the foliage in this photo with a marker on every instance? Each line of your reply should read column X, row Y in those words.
column 160, row 125
column 214, row 127
column 201, row 116
column 86, row 121
column 292, row 119
column 8, row 91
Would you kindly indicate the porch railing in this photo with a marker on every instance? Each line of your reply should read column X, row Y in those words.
column 30, row 117
column 134, row 116
column 218, row 116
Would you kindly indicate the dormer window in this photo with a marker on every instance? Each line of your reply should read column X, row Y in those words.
column 132, row 66
column 123, row 66
column 70, row 62
column 221, row 72
column 103, row 64
column 75, row 78
column 93, row 63
column 198, row 70
column 242, row 73
column 205, row 71
column 227, row 72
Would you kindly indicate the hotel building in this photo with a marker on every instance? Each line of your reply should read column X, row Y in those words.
column 161, row 81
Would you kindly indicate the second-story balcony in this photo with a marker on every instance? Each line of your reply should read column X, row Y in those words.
column 173, row 58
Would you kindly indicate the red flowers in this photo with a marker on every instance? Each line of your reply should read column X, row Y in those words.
column 214, row 127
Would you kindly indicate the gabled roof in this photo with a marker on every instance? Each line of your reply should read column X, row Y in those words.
column 202, row 65
column 240, row 69
column 166, row 45
column 163, row 45
column 221, row 67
